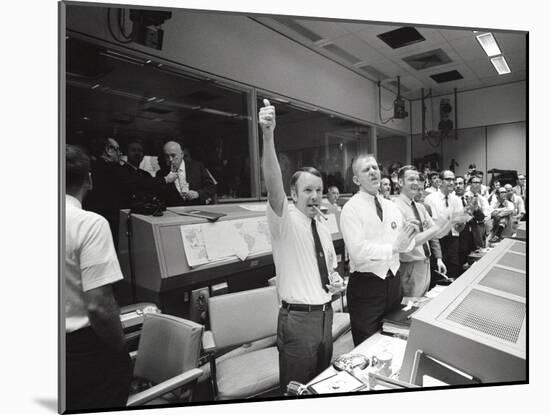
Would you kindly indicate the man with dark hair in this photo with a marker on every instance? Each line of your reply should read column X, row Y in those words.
column 375, row 233
column 105, row 197
column 304, row 257
column 193, row 185
column 97, row 362
column 415, row 265
column 445, row 204
column 480, row 224
column 385, row 187
column 434, row 181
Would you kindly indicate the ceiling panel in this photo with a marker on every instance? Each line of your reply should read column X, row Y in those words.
column 361, row 41
column 327, row 30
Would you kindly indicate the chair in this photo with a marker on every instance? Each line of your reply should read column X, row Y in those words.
column 340, row 319
column 237, row 319
column 167, row 360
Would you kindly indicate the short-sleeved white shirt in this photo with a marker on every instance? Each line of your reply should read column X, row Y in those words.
column 90, row 260
column 298, row 279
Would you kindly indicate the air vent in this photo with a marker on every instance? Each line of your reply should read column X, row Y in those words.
column 401, row 86
column 505, row 280
column 341, row 53
column 201, row 96
column 427, row 59
column 519, row 247
column 404, row 36
column 373, row 72
column 298, row 28
column 513, row 261
column 490, row 314
column 446, row 76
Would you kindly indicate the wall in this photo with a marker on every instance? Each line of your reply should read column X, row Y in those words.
column 238, row 48
column 488, row 106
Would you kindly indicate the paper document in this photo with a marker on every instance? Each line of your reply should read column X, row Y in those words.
column 194, row 244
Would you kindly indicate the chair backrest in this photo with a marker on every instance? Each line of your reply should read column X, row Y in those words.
column 243, row 316
column 168, row 346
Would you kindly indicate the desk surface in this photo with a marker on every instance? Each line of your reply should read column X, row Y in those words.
column 379, row 342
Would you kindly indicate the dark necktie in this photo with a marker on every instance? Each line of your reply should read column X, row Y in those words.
column 446, row 200
column 378, row 209
column 463, row 201
column 417, row 216
column 320, row 255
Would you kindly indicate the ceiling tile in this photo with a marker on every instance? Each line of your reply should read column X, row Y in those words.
column 452, row 34
column 468, row 48
column 511, row 42
column 327, row 30
column 357, row 47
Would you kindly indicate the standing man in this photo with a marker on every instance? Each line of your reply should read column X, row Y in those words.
column 434, row 181
column 375, row 233
column 193, row 185
column 481, row 211
column 385, row 187
column 521, row 188
column 444, row 204
column 304, row 255
column 519, row 206
column 414, row 267
column 97, row 366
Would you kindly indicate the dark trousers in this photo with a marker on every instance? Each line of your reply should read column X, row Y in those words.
column 369, row 298
column 450, row 254
column 304, row 340
column 97, row 377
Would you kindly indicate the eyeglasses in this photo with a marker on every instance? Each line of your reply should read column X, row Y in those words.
column 115, row 148
column 476, row 182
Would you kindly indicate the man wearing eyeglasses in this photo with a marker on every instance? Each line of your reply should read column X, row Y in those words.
column 445, row 204
column 105, row 196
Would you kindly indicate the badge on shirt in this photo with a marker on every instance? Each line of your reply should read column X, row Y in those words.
column 425, row 224
column 394, row 225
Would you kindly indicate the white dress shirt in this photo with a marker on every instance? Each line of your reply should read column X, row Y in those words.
column 369, row 241
column 439, row 208
column 404, row 204
column 298, row 279
column 181, row 182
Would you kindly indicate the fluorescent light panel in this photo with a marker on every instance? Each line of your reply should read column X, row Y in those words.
column 500, row 65
column 489, row 44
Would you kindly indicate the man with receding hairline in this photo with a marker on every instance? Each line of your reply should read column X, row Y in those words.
column 192, row 185
column 304, row 259
column 375, row 233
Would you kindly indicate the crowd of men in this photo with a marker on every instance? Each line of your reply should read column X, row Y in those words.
column 398, row 231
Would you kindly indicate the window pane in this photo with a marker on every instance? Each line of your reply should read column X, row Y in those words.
column 310, row 137
column 111, row 94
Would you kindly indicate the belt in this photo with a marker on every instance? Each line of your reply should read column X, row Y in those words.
column 306, row 307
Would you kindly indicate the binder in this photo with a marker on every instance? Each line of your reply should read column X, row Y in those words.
column 211, row 216
column 398, row 321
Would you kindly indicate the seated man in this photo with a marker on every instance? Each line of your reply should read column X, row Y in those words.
column 519, row 206
column 193, row 186
column 502, row 211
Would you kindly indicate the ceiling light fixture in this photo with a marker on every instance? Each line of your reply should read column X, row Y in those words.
column 489, row 44
column 500, row 64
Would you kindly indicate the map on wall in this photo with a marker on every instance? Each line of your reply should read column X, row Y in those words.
column 210, row 242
